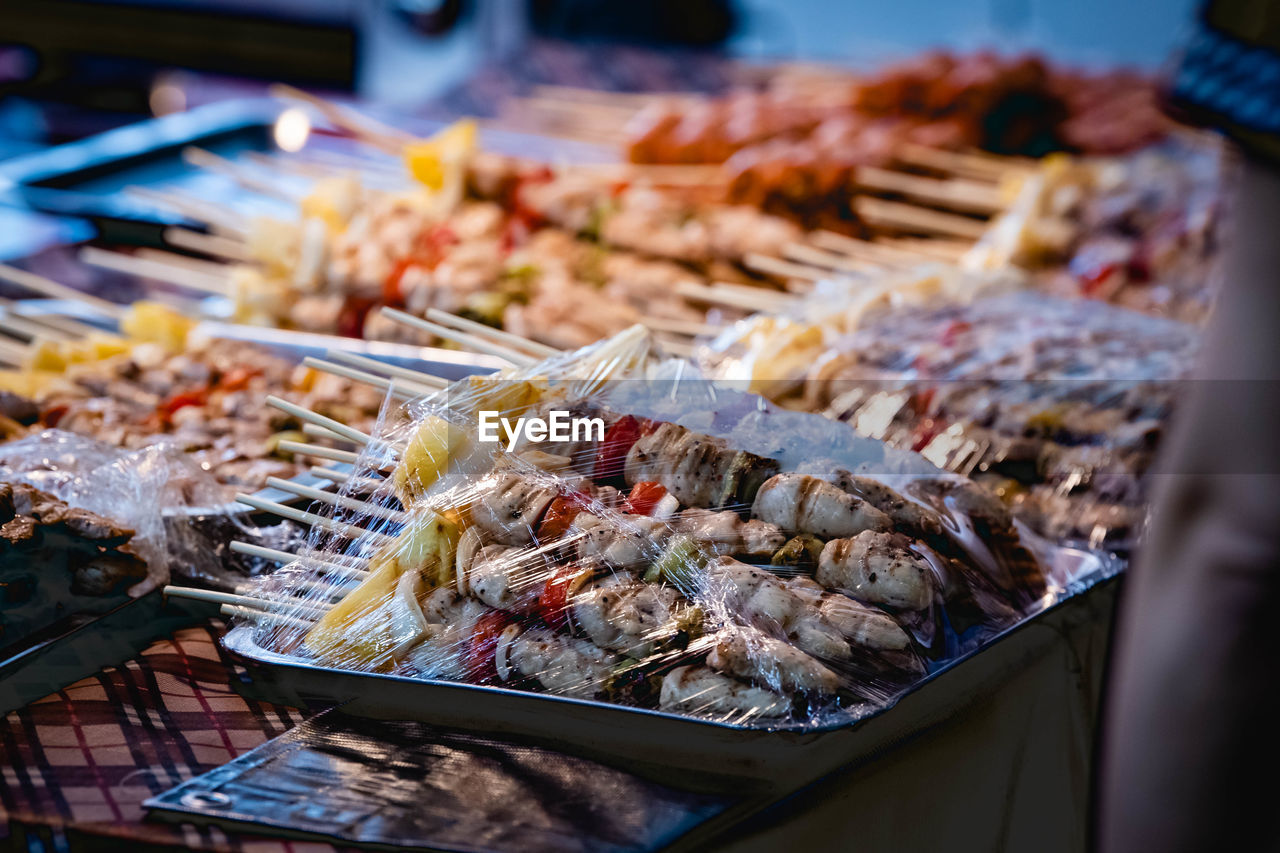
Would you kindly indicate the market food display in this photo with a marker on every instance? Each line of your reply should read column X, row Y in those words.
column 167, row 386
column 1056, row 406
column 774, row 570
column 882, row 251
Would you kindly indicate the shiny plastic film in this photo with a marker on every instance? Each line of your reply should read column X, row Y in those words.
column 179, row 516
column 610, row 526
column 1054, row 406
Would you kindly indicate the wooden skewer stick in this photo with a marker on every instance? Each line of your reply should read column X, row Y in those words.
column 153, row 268
column 355, row 375
column 209, row 244
column 207, row 160
column 323, row 496
column 29, row 330
column 215, row 269
column 371, row 365
column 286, row 557
column 328, row 592
column 496, row 335
column 687, row 328
column 783, row 269
column 388, row 169
column 263, row 604
column 879, row 212
column 308, row 416
column 383, row 136
column 988, row 167
column 956, row 193
column 941, row 250
column 368, row 484
column 353, row 531
column 317, row 431
column 195, row 209
column 778, row 299
column 827, row 260
column 12, row 353
column 319, row 451
column 877, row 253
column 702, row 293
column 55, row 324
column 471, row 341
column 251, row 615
column 51, row 288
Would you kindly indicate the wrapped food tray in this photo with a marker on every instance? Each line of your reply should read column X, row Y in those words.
column 656, row 742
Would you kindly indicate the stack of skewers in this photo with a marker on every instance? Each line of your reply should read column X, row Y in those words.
column 683, row 563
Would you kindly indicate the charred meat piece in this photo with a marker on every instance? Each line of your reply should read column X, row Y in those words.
column 750, row 653
column 701, row 471
column 726, row 533
column 798, row 503
column 860, row 624
column 622, row 614
column 1017, row 571
column 510, row 506
column 700, row 690
column 569, row 666
column 907, row 515
column 879, row 568
column 622, row 542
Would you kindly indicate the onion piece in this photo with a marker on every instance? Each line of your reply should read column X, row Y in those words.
column 500, row 662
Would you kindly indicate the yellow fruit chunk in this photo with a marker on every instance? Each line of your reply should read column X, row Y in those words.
column 364, row 628
column 46, row 355
column 430, row 160
column 152, row 322
column 426, row 457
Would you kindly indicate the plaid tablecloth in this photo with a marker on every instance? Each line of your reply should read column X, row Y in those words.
column 77, row 765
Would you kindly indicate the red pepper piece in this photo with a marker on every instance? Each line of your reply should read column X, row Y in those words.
column 643, row 498
column 483, row 646
column 612, row 452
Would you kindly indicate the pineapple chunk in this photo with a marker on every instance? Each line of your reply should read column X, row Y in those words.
column 432, row 160
column 426, row 457
column 363, row 629
column 154, row 323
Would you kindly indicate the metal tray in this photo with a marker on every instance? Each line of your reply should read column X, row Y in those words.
column 76, row 648
column 658, row 741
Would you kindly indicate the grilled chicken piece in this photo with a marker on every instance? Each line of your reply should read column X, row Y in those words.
column 750, row 653
column 1017, row 571
column 451, row 621
column 726, row 533
column 625, row 615
column 506, row 577
column 624, row 542
column 879, row 568
column 510, row 507
column 569, row 666
column 701, row 471
column 906, row 514
column 763, row 600
column 860, row 624
column 700, row 690
column 799, row 503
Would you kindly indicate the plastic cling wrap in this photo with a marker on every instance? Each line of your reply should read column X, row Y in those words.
column 180, row 516
column 650, row 539
column 1054, row 406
